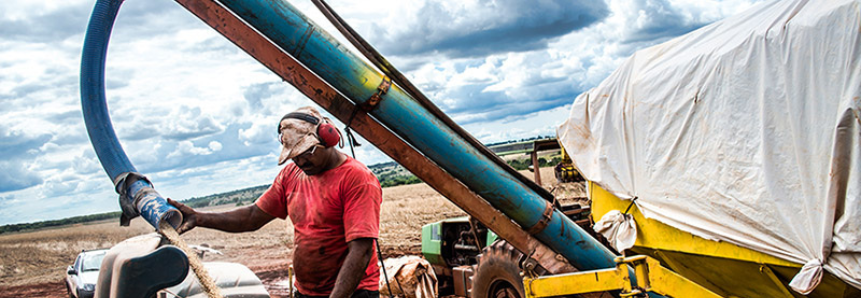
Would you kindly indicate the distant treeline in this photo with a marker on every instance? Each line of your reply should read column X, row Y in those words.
column 58, row 222
column 521, row 140
column 238, row 197
column 393, row 174
column 389, row 174
column 399, row 180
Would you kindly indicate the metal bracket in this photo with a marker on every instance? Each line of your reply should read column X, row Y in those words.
column 545, row 219
column 375, row 99
column 529, row 265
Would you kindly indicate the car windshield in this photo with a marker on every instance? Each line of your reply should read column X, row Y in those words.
column 92, row 261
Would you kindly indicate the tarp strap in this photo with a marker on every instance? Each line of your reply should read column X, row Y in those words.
column 631, row 205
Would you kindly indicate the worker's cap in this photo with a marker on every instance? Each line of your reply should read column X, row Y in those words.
column 298, row 134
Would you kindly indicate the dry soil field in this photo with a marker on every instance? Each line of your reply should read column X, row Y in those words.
column 33, row 264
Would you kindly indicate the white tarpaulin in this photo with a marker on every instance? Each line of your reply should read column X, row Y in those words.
column 746, row 131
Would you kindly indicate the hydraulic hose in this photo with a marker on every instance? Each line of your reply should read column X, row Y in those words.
column 137, row 195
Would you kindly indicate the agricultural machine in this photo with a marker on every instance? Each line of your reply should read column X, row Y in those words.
column 544, row 247
column 472, row 261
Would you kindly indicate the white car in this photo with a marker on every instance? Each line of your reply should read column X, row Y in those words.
column 81, row 276
column 234, row 280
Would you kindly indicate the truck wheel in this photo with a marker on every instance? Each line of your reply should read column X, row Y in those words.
column 498, row 274
column 69, row 290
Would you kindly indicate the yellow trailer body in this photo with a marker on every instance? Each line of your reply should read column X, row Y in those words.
column 724, row 268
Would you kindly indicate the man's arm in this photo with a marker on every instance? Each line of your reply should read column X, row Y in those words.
column 359, row 253
column 243, row 219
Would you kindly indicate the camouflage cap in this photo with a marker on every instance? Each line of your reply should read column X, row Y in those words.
column 297, row 135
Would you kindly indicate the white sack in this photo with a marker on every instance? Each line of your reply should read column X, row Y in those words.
column 745, row 131
column 409, row 277
column 619, row 229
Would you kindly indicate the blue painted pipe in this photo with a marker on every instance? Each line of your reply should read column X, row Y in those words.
column 287, row 27
column 139, row 194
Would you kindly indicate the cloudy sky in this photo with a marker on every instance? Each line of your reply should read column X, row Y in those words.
column 197, row 115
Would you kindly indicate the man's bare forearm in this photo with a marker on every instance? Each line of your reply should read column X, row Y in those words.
column 244, row 219
column 351, row 273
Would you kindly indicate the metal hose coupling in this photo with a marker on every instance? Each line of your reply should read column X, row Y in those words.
column 139, row 198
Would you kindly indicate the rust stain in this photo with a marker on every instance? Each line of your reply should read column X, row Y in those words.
column 582, row 134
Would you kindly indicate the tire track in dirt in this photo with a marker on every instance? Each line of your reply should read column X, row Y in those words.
column 267, row 252
column 54, row 289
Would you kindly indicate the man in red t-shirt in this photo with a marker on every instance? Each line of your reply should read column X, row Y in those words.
column 333, row 201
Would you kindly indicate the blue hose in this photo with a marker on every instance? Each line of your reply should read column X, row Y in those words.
column 137, row 196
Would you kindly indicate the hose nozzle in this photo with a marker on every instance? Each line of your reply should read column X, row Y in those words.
column 139, row 198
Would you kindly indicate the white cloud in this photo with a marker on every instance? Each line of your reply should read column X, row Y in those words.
column 198, row 115
column 186, row 148
column 59, row 185
column 480, row 28
column 215, row 146
column 261, row 132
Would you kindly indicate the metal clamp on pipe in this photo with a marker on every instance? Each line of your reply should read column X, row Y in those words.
column 139, row 198
column 546, row 216
column 375, row 99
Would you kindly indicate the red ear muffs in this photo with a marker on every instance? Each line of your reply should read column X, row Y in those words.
column 326, row 132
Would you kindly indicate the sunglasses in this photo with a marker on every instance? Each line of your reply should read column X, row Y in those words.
column 308, row 153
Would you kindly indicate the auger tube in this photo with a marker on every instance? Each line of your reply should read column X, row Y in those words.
column 285, row 26
column 135, row 191
column 321, row 53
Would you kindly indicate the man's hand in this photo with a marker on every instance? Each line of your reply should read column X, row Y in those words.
column 242, row 219
column 189, row 216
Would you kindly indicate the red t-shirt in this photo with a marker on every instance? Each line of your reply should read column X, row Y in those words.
column 327, row 210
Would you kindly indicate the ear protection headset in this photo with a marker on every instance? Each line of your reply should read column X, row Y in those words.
column 328, row 135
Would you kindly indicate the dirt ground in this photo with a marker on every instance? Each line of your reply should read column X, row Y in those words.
column 33, row 264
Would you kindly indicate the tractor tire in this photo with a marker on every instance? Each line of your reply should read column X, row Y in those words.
column 497, row 274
